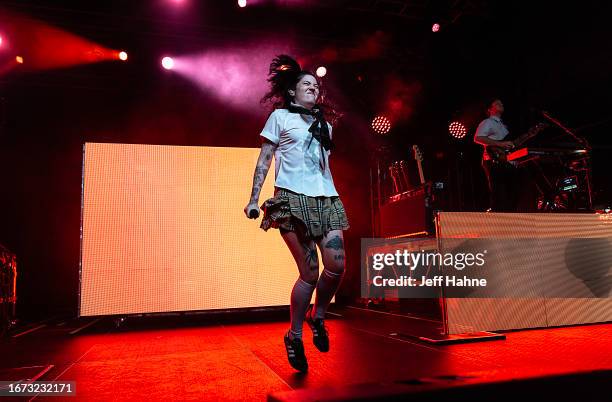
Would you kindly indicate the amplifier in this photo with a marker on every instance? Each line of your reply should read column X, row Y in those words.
column 407, row 214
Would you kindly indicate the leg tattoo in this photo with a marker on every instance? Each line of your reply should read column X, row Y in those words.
column 335, row 243
column 310, row 255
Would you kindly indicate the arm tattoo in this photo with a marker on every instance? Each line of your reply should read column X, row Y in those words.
column 335, row 243
column 261, row 171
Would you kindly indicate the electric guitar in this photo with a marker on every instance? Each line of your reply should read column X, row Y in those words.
column 499, row 154
column 418, row 157
column 403, row 165
column 394, row 172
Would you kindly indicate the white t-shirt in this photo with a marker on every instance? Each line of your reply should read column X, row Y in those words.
column 493, row 128
column 299, row 167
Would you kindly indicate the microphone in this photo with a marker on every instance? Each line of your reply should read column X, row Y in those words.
column 253, row 214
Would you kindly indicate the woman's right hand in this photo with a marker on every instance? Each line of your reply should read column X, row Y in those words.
column 252, row 210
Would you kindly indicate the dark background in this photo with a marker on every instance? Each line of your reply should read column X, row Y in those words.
column 533, row 55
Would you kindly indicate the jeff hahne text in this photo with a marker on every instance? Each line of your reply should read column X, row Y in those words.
column 434, row 260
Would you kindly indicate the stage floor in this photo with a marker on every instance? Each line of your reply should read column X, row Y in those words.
column 170, row 358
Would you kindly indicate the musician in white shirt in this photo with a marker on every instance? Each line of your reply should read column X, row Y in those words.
column 492, row 132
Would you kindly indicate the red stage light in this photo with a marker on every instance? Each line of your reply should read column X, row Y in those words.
column 167, row 63
column 123, row 56
column 19, row 59
column 321, row 71
column 457, row 130
column 48, row 46
column 0, row 40
column 435, row 27
column 242, row 3
column 381, row 125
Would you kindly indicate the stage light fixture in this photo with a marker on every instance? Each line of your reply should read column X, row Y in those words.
column 457, row 129
column 381, row 125
column 19, row 59
column 435, row 27
column 123, row 56
column 242, row 3
column 0, row 40
column 321, row 71
column 167, row 63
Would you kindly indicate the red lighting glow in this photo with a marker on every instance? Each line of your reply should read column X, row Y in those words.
column 19, row 59
column 49, row 47
column 381, row 125
column 457, row 130
column 435, row 27
column 167, row 63
column 321, row 71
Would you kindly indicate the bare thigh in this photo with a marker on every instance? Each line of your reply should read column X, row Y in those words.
column 332, row 251
column 304, row 253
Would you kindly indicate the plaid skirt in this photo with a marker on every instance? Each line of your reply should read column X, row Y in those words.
column 310, row 216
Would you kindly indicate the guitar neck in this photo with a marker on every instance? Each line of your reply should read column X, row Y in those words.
column 418, row 156
column 532, row 132
column 421, row 175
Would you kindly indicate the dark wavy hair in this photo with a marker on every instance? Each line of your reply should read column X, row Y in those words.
column 283, row 75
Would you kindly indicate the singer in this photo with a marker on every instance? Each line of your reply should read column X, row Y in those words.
column 306, row 207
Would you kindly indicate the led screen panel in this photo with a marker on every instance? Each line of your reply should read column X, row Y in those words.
column 571, row 244
column 163, row 230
